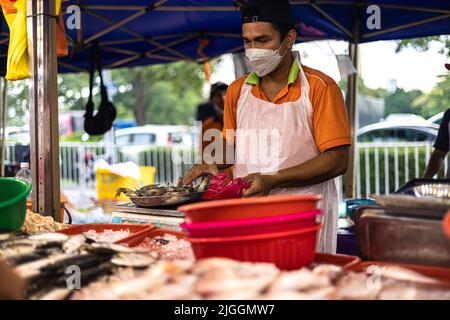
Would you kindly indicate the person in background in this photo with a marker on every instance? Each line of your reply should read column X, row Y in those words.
column 211, row 115
column 211, row 112
column 441, row 147
column 11, row 285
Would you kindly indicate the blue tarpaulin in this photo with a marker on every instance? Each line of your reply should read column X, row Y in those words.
column 140, row 32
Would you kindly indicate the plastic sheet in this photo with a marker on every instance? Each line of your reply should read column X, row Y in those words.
column 219, row 190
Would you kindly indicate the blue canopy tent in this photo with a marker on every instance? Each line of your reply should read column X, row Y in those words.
column 141, row 32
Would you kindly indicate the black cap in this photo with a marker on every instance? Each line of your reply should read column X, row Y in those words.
column 274, row 11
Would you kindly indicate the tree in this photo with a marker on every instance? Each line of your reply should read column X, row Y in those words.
column 160, row 94
column 401, row 101
column 364, row 90
column 437, row 100
column 423, row 44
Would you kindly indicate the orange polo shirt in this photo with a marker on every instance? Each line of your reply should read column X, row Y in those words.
column 330, row 122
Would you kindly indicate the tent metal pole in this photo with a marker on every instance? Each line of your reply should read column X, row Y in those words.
column 115, row 26
column 41, row 32
column 158, row 56
column 351, row 101
column 174, row 43
column 3, row 107
column 123, row 61
column 134, row 16
column 409, row 8
column 405, row 26
column 71, row 67
column 332, row 20
column 80, row 37
column 352, row 92
column 161, row 8
column 153, row 42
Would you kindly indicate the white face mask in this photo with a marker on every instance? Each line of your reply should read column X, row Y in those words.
column 264, row 61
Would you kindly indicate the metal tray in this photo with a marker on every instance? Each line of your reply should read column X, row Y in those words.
column 400, row 239
column 408, row 188
column 406, row 205
column 165, row 201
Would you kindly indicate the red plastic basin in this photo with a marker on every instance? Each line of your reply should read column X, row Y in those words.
column 244, row 227
column 247, row 208
column 137, row 231
column 288, row 250
column 447, row 224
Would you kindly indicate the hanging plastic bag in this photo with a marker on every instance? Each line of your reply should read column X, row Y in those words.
column 17, row 62
column 15, row 15
column 219, row 190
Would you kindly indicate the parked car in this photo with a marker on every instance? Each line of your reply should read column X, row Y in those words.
column 437, row 118
column 19, row 135
column 158, row 135
column 405, row 117
column 398, row 131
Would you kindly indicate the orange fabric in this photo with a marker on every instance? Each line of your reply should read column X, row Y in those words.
column 330, row 122
column 61, row 40
column 8, row 6
column 210, row 123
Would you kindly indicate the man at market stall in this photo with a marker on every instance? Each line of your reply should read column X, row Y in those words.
column 441, row 146
column 301, row 108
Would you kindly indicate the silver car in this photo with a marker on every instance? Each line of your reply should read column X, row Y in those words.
column 398, row 131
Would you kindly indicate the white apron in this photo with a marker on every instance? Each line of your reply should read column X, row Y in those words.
column 272, row 137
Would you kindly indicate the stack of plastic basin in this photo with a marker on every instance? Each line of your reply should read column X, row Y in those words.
column 279, row 229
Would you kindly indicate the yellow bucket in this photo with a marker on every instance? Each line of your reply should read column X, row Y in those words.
column 108, row 182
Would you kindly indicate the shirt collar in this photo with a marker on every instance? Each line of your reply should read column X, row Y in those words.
column 253, row 78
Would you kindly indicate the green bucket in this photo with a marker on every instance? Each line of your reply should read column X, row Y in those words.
column 13, row 203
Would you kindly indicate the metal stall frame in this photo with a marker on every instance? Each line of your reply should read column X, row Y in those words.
column 43, row 90
column 43, row 102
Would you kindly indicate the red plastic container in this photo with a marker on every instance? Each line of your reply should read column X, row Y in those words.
column 138, row 231
column 150, row 233
column 245, row 227
column 248, row 208
column 447, row 224
column 288, row 250
column 341, row 260
column 438, row 273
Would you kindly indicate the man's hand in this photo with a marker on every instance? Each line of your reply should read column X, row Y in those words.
column 260, row 185
column 200, row 170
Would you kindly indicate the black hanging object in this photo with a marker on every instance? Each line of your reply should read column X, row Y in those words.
column 106, row 114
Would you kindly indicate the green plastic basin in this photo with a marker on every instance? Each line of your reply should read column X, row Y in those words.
column 13, row 203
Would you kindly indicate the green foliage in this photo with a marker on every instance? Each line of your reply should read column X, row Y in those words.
column 435, row 101
column 401, row 101
column 76, row 137
column 158, row 94
column 161, row 94
column 364, row 90
column 423, row 44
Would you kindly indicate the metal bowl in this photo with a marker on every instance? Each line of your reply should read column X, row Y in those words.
column 437, row 190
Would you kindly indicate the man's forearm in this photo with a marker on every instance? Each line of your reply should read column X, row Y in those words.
column 325, row 166
column 435, row 164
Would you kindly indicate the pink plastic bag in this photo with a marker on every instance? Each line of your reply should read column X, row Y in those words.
column 217, row 189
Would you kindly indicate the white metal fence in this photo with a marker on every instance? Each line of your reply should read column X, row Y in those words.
column 381, row 168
